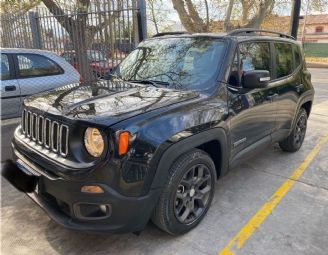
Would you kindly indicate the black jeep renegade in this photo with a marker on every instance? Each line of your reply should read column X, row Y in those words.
column 150, row 142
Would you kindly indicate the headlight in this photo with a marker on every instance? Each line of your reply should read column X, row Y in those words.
column 94, row 142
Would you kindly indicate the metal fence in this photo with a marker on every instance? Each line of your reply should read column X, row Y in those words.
column 94, row 40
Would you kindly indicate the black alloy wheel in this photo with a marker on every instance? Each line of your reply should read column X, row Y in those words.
column 300, row 130
column 193, row 194
column 188, row 193
column 295, row 139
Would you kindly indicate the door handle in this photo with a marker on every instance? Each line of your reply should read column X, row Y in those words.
column 10, row 88
column 272, row 96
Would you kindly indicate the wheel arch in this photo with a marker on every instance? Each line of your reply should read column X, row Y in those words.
column 307, row 106
column 206, row 141
column 305, row 102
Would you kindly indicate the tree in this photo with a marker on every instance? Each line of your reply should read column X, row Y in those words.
column 11, row 13
column 253, row 13
column 190, row 16
column 80, row 31
column 157, row 15
column 232, row 14
column 17, row 7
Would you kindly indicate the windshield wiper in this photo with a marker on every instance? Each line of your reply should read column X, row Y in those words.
column 157, row 84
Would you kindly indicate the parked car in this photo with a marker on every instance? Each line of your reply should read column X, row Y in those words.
column 150, row 143
column 26, row 72
column 98, row 62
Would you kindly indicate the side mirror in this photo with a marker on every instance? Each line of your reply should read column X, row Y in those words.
column 255, row 79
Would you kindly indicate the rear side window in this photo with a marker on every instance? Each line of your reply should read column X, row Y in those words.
column 255, row 56
column 284, row 59
column 5, row 71
column 33, row 65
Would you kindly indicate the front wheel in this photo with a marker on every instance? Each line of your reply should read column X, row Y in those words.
column 188, row 193
column 295, row 140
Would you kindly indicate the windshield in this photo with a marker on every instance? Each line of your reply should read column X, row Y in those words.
column 185, row 63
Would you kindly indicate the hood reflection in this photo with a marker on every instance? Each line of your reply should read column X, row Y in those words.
column 106, row 98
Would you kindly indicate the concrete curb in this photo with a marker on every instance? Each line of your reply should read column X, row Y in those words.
column 316, row 65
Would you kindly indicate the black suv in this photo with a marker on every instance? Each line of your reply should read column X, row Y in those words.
column 150, row 142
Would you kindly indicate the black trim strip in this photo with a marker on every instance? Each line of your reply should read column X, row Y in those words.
column 13, row 96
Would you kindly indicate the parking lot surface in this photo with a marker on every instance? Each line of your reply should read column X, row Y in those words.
column 297, row 224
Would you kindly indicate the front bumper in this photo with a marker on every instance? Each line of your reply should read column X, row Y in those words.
column 61, row 199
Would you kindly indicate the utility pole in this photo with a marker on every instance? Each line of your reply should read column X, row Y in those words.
column 295, row 17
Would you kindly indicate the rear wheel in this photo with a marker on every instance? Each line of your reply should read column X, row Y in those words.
column 188, row 193
column 295, row 140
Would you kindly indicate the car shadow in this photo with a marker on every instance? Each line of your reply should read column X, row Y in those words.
column 65, row 241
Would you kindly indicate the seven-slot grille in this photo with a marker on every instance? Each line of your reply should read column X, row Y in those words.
column 50, row 134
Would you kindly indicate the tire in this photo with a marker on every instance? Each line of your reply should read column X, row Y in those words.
column 295, row 139
column 189, row 186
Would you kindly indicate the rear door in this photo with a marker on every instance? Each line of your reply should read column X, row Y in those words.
column 287, row 82
column 10, row 91
column 251, row 110
column 37, row 73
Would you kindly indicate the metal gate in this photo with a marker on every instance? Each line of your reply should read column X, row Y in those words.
column 94, row 40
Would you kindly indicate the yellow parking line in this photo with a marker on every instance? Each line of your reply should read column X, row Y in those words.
column 255, row 222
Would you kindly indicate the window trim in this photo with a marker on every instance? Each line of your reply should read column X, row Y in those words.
column 15, row 56
column 236, row 53
column 237, row 50
column 296, row 48
column 273, row 60
column 12, row 75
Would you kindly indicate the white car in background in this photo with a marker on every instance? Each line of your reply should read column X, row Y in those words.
column 26, row 72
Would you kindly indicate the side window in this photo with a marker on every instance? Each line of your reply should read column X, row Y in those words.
column 5, row 71
column 32, row 65
column 298, row 57
column 255, row 56
column 284, row 59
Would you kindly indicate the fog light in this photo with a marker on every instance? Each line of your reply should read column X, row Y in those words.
column 89, row 211
column 103, row 208
column 92, row 189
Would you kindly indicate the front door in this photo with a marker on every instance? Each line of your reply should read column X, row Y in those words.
column 10, row 90
column 252, row 113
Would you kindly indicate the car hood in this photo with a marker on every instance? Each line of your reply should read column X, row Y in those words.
column 106, row 102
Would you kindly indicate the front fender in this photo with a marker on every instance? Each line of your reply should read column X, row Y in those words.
column 178, row 148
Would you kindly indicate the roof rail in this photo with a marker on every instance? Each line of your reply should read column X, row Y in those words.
column 248, row 31
column 170, row 33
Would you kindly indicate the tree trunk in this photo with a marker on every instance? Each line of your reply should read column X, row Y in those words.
column 151, row 2
column 227, row 21
column 189, row 16
column 265, row 7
